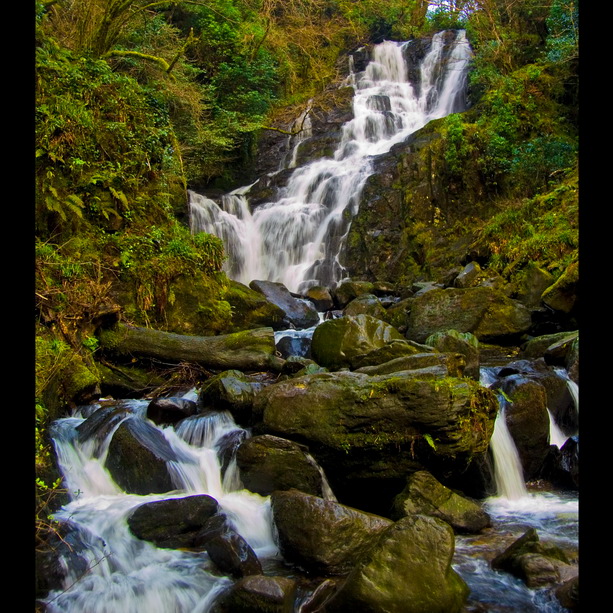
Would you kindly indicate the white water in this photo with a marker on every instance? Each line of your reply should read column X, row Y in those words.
column 297, row 239
column 130, row 575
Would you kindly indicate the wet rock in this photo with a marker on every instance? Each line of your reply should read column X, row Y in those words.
column 227, row 446
column 528, row 422
column 231, row 391
column 137, row 458
column 407, row 570
column 232, row 555
column 299, row 313
column 568, row 594
column 322, row 536
column 367, row 304
column 251, row 309
column 424, row 495
column 164, row 411
column 320, row 297
column 291, row 345
column 561, row 466
column 536, row 563
column 268, row 463
column 174, row 522
column 257, row 594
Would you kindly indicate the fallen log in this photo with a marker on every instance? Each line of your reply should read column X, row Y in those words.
column 246, row 350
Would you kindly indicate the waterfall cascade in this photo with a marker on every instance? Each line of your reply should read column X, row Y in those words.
column 297, row 239
column 131, row 575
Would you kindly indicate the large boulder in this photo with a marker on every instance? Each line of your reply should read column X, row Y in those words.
column 173, row 522
column 338, row 343
column 322, row 536
column 269, row 463
column 424, row 495
column 485, row 312
column 298, row 313
column 137, row 458
column 369, row 432
column 407, row 570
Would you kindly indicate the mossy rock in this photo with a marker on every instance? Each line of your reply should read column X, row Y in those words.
column 407, row 570
column 485, row 312
column 424, row 495
column 337, row 343
column 562, row 295
column 464, row 343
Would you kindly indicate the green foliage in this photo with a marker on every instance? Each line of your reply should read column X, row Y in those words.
column 563, row 31
column 542, row 230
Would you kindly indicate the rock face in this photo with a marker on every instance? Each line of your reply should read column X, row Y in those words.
column 485, row 312
column 424, row 495
column 408, row 570
column 322, row 536
column 369, row 432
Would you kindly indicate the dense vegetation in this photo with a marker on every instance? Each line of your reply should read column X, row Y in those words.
column 138, row 99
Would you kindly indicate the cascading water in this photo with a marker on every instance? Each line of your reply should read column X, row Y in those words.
column 130, row 575
column 297, row 239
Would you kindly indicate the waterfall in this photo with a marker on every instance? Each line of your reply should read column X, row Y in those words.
column 508, row 471
column 297, row 239
column 507, row 465
column 131, row 575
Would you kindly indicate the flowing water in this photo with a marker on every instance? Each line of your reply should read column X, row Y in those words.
column 131, row 575
column 297, row 238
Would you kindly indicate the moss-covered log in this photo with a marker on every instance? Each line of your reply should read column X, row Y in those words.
column 248, row 350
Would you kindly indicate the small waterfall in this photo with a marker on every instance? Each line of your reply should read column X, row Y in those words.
column 556, row 436
column 508, row 471
column 131, row 575
column 297, row 239
column 507, row 466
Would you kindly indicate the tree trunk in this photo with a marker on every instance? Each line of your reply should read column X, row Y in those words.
column 247, row 350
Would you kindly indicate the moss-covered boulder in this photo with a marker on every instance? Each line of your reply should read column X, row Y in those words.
column 268, row 463
column 338, row 343
column 464, row 343
column 424, row 495
column 322, row 536
column 392, row 350
column 369, row 432
column 348, row 290
column 485, row 312
column 230, row 390
column 407, row 570
column 367, row 304
column 251, row 309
